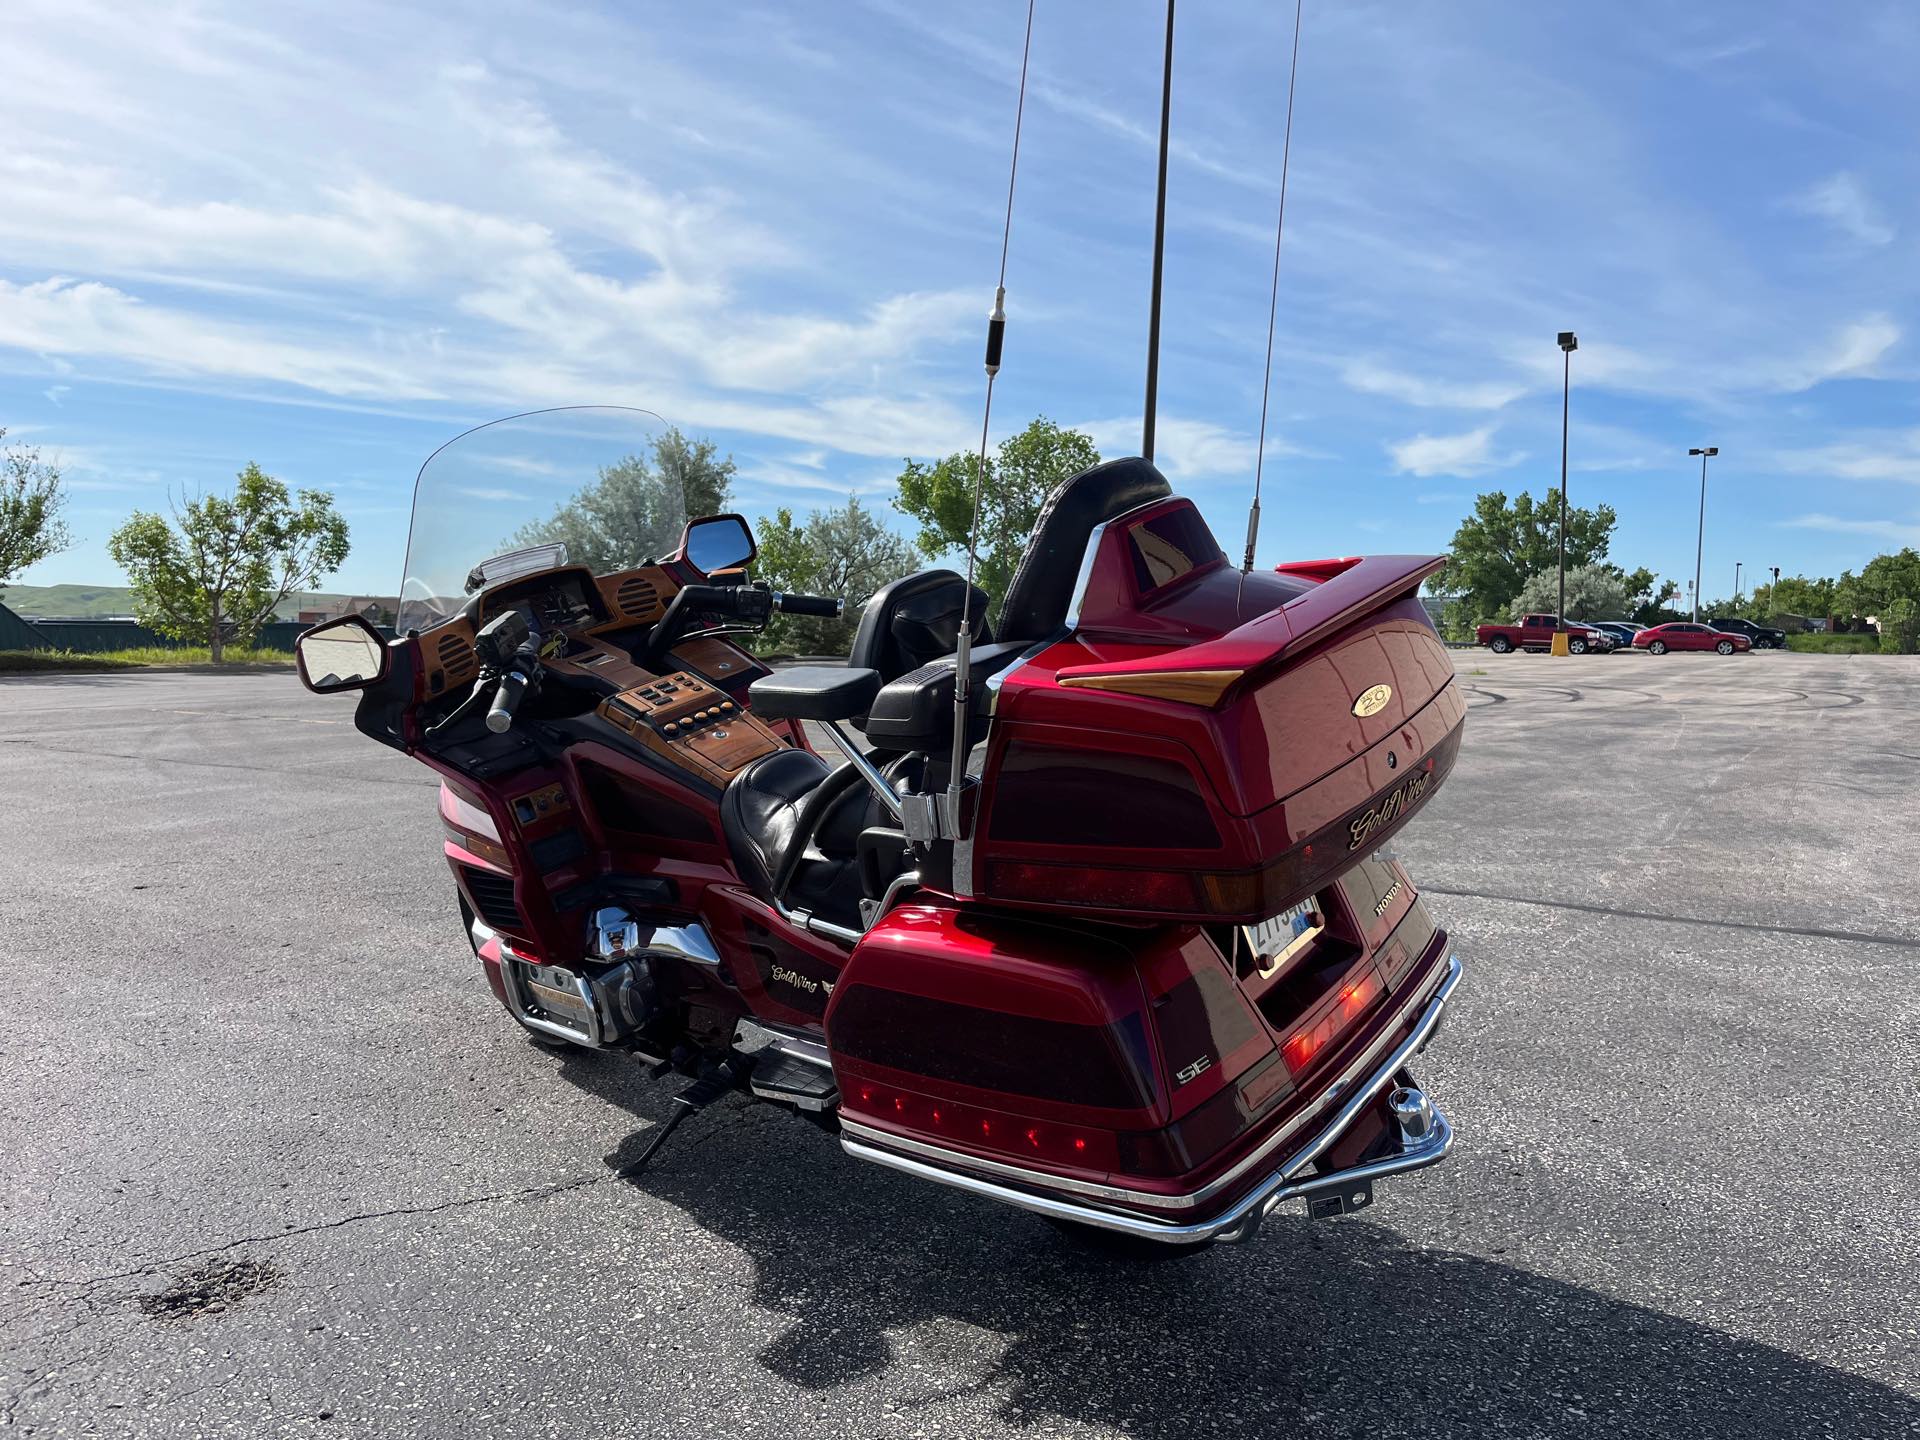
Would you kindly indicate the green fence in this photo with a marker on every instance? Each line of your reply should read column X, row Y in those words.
column 17, row 634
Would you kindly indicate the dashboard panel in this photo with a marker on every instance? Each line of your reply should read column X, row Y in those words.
column 551, row 603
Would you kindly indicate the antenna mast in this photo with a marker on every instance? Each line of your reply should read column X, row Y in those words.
column 951, row 823
column 1273, row 301
column 1159, row 249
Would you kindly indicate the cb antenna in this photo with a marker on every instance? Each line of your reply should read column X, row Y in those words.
column 952, row 827
column 1273, row 300
column 1152, row 407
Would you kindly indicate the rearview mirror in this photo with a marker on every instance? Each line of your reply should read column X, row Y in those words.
column 719, row 542
column 343, row 654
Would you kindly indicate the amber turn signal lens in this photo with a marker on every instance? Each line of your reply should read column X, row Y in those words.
column 1190, row 687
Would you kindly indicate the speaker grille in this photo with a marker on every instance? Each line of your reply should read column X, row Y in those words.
column 636, row 597
column 456, row 658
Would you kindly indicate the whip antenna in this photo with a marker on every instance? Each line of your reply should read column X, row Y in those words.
column 1152, row 407
column 996, row 333
column 1273, row 300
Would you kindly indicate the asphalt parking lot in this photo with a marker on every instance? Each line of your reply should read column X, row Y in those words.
column 276, row 1164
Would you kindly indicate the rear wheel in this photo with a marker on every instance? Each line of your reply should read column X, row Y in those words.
column 1658, row 647
column 1725, row 647
column 1500, row 645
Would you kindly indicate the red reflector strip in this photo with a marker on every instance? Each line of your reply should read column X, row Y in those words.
column 1352, row 1000
column 1091, row 885
column 940, row 1120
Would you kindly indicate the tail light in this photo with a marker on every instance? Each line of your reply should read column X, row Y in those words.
column 1017, row 1137
column 1332, row 1018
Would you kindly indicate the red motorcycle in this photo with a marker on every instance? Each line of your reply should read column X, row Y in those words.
column 1135, row 961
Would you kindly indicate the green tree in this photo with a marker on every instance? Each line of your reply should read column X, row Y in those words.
column 1503, row 544
column 1794, row 595
column 218, row 571
column 1019, row 477
column 1594, row 592
column 635, row 511
column 31, row 500
column 1900, row 626
column 845, row 552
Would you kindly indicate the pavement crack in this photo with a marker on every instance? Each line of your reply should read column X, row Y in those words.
column 1812, row 932
column 168, row 1263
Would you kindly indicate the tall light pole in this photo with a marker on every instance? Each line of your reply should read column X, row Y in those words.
column 1736, row 583
column 1699, row 544
column 1568, row 344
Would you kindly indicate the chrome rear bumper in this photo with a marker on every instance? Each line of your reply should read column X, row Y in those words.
column 1425, row 1139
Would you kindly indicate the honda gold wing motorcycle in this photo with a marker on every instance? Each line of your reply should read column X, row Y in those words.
column 1109, row 936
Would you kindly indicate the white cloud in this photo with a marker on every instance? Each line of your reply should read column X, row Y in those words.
column 1467, row 454
column 1843, row 202
column 1427, row 391
column 1693, row 370
column 1881, row 455
column 1900, row 532
column 1186, row 449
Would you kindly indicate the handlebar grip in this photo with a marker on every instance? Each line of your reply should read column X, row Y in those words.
column 821, row 605
column 513, row 685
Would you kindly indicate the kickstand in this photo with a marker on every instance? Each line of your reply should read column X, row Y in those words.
column 681, row 1110
column 727, row 1075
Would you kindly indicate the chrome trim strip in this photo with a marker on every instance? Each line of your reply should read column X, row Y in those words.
column 1085, row 577
column 1238, row 1222
column 800, row 1047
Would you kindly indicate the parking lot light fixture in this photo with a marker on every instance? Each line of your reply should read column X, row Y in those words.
column 1700, row 541
column 1569, row 343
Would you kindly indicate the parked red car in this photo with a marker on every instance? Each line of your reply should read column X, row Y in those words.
column 1682, row 636
column 1536, row 632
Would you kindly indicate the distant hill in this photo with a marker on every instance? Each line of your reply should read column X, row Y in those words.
column 93, row 601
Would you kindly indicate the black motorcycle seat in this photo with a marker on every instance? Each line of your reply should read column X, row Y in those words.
column 761, row 814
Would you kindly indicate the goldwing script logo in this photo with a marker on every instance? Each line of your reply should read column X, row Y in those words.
column 801, row 982
column 1389, row 809
column 1373, row 701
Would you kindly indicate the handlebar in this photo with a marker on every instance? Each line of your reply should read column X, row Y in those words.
column 824, row 606
column 513, row 688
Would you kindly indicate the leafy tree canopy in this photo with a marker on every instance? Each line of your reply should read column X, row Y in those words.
column 1794, row 595
column 845, row 552
column 1594, row 592
column 1019, row 477
column 216, row 572
column 31, row 499
column 635, row 511
column 1503, row 543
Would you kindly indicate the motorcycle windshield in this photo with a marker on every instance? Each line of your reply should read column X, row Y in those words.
column 588, row 485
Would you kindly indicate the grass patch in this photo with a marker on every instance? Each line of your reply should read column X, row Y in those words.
column 1824, row 644
column 143, row 657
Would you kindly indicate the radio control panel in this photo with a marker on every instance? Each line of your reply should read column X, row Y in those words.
column 687, row 718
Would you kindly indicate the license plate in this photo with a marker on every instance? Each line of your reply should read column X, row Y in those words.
column 555, row 989
column 1279, row 938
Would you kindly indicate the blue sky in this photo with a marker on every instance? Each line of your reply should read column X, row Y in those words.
column 327, row 237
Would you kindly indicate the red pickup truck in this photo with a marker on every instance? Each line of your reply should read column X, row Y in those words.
column 1535, row 632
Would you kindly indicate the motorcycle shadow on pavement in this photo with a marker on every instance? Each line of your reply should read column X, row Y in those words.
column 1341, row 1326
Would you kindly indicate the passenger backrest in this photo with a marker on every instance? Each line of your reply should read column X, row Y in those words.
column 1043, row 585
column 915, row 620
